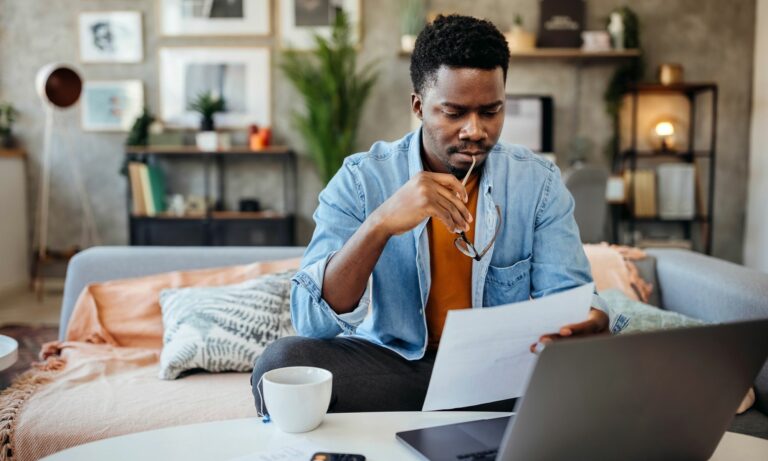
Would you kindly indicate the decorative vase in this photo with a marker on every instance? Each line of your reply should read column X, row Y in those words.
column 519, row 39
column 207, row 141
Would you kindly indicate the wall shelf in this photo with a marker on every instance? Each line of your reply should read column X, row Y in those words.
column 219, row 227
column 564, row 53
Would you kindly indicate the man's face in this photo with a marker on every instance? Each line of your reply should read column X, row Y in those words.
column 462, row 114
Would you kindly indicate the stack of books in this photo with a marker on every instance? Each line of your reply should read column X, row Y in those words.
column 147, row 189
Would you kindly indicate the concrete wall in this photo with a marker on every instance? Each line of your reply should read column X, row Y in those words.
column 711, row 38
column 14, row 255
column 756, row 240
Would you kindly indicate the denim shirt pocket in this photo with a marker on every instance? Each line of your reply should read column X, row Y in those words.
column 504, row 285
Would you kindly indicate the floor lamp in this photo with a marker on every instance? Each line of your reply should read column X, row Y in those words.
column 59, row 87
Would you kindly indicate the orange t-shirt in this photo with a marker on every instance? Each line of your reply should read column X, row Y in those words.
column 451, row 270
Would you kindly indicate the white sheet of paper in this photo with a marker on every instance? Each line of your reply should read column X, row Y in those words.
column 484, row 354
column 302, row 451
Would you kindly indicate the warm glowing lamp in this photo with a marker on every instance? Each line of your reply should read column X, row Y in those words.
column 666, row 131
column 665, row 135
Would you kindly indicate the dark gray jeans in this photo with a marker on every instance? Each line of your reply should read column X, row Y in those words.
column 366, row 377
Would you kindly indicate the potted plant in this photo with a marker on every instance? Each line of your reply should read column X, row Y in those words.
column 412, row 22
column 207, row 104
column 7, row 117
column 518, row 38
column 334, row 93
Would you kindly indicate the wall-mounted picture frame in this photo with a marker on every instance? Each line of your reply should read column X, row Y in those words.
column 215, row 17
column 111, row 37
column 241, row 75
column 300, row 20
column 111, row 105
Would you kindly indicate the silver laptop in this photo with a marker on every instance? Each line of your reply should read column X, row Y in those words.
column 662, row 395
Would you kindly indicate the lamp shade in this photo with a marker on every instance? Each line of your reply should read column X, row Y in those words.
column 58, row 85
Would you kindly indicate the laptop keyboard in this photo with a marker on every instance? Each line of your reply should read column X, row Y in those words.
column 487, row 455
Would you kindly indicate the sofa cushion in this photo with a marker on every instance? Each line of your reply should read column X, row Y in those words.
column 646, row 267
column 628, row 316
column 223, row 328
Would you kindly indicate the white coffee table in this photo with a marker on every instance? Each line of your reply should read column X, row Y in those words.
column 370, row 434
column 9, row 352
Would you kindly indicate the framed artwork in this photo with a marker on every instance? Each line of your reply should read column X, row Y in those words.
column 240, row 75
column 300, row 20
column 111, row 36
column 111, row 105
column 214, row 17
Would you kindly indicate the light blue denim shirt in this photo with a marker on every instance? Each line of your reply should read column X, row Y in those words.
column 538, row 251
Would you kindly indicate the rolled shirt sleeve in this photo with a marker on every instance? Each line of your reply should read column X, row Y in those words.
column 558, row 262
column 338, row 216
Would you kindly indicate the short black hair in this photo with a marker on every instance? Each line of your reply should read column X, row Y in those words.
column 457, row 41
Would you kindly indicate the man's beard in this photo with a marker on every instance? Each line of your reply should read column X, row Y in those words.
column 458, row 172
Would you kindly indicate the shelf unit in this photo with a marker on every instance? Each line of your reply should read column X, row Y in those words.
column 217, row 227
column 627, row 160
column 563, row 53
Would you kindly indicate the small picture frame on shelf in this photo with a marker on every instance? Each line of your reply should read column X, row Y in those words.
column 616, row 190
column 111, row 105
column 111, row 37
column 215, row 17
column 300, row 20
column 239, row 75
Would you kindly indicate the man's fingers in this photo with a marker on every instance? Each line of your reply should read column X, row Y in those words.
column 450, row 181
column 576, row 329
column 457, row 220
column 457, row 204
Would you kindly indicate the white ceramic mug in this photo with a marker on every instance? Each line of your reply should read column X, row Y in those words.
column 297, row 398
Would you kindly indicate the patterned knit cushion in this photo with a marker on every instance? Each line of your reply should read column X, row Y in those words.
column 223, row 328
column 628, row 316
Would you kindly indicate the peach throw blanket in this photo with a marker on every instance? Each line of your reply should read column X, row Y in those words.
column 127, row 312
column 102, row 382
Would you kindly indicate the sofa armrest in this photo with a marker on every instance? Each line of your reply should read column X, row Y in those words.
column 715, row 291
column 100, row 264
column 708, row 288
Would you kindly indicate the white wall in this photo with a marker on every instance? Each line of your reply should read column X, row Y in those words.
column 756, row 239
column 13, row 225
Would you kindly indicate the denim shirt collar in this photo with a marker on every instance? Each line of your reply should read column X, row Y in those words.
column 485, row 224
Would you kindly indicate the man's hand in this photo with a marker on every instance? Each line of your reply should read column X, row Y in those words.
column 596, row 323
column 427, row 194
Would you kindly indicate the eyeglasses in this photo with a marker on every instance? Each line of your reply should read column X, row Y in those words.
column 465, row 246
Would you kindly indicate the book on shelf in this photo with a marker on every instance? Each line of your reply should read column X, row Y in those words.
column 676, row 191
column 138, row 206
column 147, row 189
column 643, row 192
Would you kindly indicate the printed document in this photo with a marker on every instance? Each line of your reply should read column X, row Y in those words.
column 484, row 354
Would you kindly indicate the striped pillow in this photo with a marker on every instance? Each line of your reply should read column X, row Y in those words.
column 223, row 328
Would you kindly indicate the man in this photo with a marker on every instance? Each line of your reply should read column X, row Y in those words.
column 399, row 240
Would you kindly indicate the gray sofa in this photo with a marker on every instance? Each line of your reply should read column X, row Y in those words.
column 690, row 283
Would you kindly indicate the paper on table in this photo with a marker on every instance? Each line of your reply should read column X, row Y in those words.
column 302, row 451
column 484, row 354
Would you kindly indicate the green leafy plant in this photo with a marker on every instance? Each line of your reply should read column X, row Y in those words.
column 207, row 104
column 334, row 93
column 413, row 17
column 7, row 116
column 139, row 134
column 625, row 75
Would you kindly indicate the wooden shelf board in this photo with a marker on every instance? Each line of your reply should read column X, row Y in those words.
column 192, row 150
column 564, row 53
column 683, row 87
column 687, row 155
column 12, row 153
column 255, row 215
